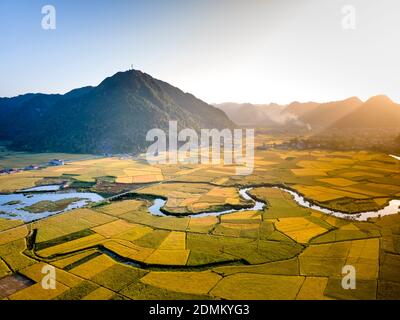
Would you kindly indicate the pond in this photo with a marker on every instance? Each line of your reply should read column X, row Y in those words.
column 11, row 205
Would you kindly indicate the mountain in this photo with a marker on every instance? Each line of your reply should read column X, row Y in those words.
column 376, row 113
column 298, row 109
column 247, row 114
column 308, row 115
column 337, row 117
column 372, row 125
column 271, row 115
column 325, row 114
column 113, row 117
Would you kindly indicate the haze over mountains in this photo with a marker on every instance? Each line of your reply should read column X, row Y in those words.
column 376, row 113
column 113, row 117
column 247, row 114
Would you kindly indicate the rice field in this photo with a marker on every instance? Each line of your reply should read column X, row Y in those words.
column 118, row 250
column 184, row 198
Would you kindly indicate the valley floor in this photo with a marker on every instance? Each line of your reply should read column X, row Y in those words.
column 118, row 250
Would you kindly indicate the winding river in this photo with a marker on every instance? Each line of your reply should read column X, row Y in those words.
column 11, row 205
column 158, row 203
column 392, row 208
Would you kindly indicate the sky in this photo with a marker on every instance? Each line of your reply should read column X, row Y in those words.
column 227, row 50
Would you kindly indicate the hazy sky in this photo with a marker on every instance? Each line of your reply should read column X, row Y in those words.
column 225, row 50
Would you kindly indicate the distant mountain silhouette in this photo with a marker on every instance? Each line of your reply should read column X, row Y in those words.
column 325, row 114
column 247, row 114
column 268, row 115
column 113, row 117
column 373, row 125
column 377, row 112
column 299, row 109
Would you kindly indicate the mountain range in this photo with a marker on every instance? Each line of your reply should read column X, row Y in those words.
column 112, row 117
column 259, row 115
column 377, row 113
column 115, row 116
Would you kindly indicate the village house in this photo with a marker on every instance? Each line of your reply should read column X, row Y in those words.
column 31, row 167
column 56, row 162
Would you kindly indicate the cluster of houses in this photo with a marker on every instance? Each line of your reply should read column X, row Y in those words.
column 297, row 144
column 56, row 162
column 9, row 171
column 53, row 162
